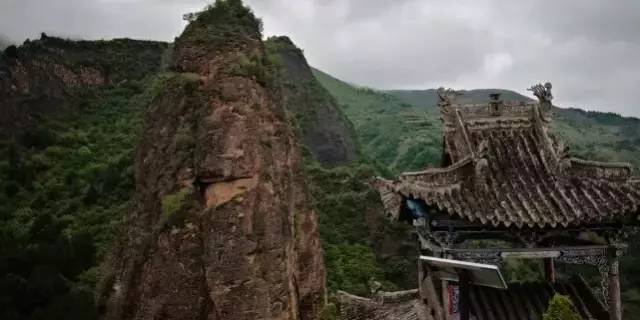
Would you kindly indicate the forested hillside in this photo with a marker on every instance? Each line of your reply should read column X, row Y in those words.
column 399, row 135
column 66, row 184
column 402, row 129
column 67, row 137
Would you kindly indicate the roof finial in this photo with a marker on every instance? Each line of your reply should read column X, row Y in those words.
column 542, row 92
column 447, row 96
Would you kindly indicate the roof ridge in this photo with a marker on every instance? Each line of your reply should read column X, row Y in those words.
column 458, row 164
column 604, row 164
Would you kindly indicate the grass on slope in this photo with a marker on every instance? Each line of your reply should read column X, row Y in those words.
column 599, row 136
column 397, row 134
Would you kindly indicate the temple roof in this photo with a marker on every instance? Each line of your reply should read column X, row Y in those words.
column 531, row 300
column 406, row 307
column 503, row 167
column 519, row 301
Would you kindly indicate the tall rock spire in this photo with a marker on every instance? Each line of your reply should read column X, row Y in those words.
column 221, row 228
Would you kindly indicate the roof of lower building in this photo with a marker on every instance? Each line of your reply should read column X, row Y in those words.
column 408, row 307
column 504, row 167
column 530, row 300
column 519, row 301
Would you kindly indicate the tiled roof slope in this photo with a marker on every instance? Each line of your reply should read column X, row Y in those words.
column 358, row 308
column 507, row 169
column 530, row 301
column 527, row 301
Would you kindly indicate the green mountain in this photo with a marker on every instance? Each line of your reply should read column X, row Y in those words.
column 402, row 129
column 71, row 113
column 399, row 135
column 429, row 98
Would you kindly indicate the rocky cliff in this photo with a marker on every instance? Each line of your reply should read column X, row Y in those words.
column 323, row 128
column 38, row 77
column 222, row 228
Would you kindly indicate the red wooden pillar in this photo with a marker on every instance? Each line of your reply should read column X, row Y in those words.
column 549, row 270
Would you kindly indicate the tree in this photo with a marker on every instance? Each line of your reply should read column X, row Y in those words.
column 560, row 308
column 4, row 42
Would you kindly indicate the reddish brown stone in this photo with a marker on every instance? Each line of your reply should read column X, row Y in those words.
column 247, row 245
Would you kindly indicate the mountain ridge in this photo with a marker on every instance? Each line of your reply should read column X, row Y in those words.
column 403, row 131
column 476, row 95
column 429, row 97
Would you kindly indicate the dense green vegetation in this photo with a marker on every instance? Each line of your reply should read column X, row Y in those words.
column 599, row 136
column 118, row 59
column 561, row 308
column 221, row 25
column 172, row 207
column 353, row 231
column 65, row 185
column 399, row 135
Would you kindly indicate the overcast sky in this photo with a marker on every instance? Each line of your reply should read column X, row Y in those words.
column 588, row 49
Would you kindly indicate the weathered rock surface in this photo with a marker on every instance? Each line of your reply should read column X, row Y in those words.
column 222, row 228
column 325, row 131
column 37, row 77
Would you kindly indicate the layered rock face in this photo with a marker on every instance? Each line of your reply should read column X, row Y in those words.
column 324, row 130
column 37, row 77
column 222, row 227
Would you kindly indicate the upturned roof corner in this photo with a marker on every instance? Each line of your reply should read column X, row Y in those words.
column 505, row 168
